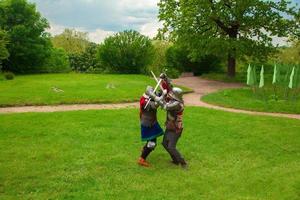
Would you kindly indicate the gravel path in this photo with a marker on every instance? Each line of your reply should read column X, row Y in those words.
column 200, row 86
column 61, row 108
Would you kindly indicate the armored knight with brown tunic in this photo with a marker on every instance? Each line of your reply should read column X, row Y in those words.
column 174, row 124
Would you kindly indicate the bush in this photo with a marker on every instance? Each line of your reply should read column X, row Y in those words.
column 206, row 64
column 159, row 62
column 86, row 61
column 57, row 62
column 126, row 52
column 178, row 58
column 8, row 75
column 172, row 73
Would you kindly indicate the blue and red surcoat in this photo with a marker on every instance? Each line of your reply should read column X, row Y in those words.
column 150, row 128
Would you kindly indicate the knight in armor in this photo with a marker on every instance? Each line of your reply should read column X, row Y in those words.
column 174, row 125
column 166, row 83
column 150, row 128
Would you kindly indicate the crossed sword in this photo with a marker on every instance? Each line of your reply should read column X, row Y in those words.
column 156, row 87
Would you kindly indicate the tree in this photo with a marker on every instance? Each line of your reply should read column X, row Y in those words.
column 126, row 52
column 237, row 28
column 159, row 61
column 3, row 46
column 29, row 43
column 57, row 62
column 290, row 55
column 72, row 41
column 86, row 61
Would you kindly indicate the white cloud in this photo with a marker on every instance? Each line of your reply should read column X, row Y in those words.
column 140, row 4
column 101, row 18
column 150, row 29
column 280, row 41
column 56, row 29
column 99, row 35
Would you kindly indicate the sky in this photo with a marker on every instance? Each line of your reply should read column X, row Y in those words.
column 101, row 18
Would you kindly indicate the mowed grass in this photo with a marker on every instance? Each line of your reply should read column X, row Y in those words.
column 92, row 155
column 53, row 89
column 244, row 98
column 50, row 89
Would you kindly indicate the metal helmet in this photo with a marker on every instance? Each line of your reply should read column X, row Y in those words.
column 163, row 76
column 149, row 90
column 177, row 94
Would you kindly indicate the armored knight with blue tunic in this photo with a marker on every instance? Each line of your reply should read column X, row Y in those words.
column 150, row 128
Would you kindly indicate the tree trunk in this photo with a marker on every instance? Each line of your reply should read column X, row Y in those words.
column 233, row 33
column 231, row 66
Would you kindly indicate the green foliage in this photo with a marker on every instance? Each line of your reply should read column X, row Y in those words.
column 178, row 58
column 29, row 45
column 87, row 60
column 159, row 62
column 57, row 62
column 3, row 47
column 232, row 29
column 72, row 41
column 92, row 155
column 172, row 72
column 290, row 55
column 8, row 75
column 239, row 78
column 126, row 52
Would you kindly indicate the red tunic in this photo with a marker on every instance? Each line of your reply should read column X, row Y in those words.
column 166, row 86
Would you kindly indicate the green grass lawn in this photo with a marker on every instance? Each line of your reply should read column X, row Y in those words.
column 245, row 99
column 92, row 155
column 76, row 88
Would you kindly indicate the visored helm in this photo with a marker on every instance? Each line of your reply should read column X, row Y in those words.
column 177, row 94
column 149, row 90
column 163, row 76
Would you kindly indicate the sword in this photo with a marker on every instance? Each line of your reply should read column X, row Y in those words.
column 154, row 76
column 157, row 80
column 158, row 84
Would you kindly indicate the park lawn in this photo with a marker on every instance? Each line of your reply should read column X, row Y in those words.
column 77, row 88
column 245, row 99
column 51, row 89
column 92, row 155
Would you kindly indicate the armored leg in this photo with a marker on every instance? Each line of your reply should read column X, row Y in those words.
column 148, row 148
column 165, row 144
column 170, row 142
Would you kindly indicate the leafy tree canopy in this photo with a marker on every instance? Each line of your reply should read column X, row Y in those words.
column 3, row 46
column 126, row 52
column 86, row 61
column 236, row 28
column 290, row 55
column 72, row 41
column 29, row 43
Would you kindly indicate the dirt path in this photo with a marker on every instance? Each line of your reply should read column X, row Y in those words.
column 59, row 108
column 200, row 86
